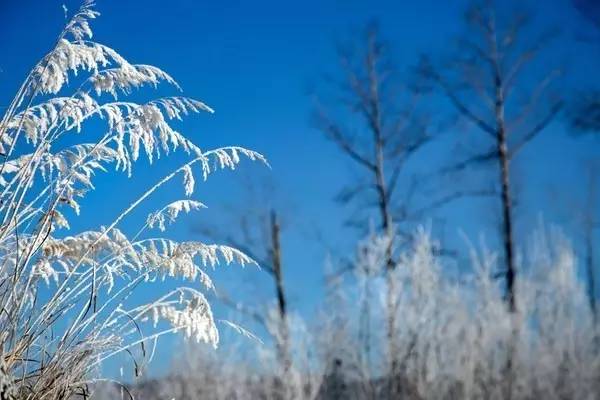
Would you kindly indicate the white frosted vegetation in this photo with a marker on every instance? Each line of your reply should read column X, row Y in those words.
column 66, row 298
column 456, row 339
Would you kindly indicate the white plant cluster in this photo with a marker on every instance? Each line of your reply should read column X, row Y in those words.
column 64, row 297
column 455, row 339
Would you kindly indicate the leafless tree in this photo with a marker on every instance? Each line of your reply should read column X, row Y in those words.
column 487, row 83
column 375, row 122
column 260, row 238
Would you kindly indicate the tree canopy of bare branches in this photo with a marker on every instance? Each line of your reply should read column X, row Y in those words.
column 488, row 81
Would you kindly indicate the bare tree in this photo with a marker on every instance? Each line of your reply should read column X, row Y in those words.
column 485, row 82
column 375, row 123
column 260, row 236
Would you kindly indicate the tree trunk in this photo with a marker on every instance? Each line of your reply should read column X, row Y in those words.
column 384, row 209
column 589, row 222
column 365, row 320
column 591, row 276
column 388, row 230
column 283, row 346
column 282, row 341
column 504, row 161
column 507, row 222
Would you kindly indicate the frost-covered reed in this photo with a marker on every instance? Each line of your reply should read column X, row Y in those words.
column 65, row 298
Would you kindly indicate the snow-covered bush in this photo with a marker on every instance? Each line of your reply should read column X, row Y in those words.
column 66, row 299
column 456, row 338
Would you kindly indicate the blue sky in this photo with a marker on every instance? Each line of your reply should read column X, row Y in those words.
column 255, row 62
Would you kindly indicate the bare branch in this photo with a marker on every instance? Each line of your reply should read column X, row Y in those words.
column 536, row 94
column 476, row 159
column 335, row 134
column 464, row 110
column 349, row 192
column 450, row 198
column 473, row 77
column 509, row 39
column 394, row 180
column 404, row 117
column 475, row 49
column 416, row 145
column 540, row 126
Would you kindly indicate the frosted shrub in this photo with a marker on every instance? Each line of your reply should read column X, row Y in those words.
column 65, row 298
column 456, row 339
column 460, row 340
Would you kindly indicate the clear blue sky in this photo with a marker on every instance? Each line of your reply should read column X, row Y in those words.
column 254, row 62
